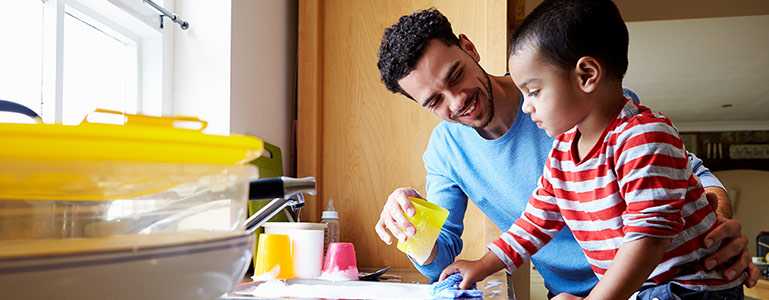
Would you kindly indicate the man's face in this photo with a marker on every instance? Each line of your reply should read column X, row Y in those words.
column 449, row 82
column 550, row 95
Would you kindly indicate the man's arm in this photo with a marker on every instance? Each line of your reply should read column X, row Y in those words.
column 720, row 202
column 443, row 190
column 712, row 186
column 735, row 251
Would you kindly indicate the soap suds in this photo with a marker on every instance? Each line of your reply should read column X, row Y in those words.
column 271, row 275
column 340, row 290
column 340, row 275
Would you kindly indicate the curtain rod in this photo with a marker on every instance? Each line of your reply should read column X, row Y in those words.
column 183, row 24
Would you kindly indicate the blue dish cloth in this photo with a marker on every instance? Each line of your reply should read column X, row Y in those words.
column 449, row 289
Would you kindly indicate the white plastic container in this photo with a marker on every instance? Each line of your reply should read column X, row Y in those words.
column 306, row 246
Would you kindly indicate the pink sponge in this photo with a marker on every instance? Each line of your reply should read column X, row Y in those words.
column 340, row 262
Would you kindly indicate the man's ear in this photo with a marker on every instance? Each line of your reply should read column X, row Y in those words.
column 588, row 73
column 469, row 47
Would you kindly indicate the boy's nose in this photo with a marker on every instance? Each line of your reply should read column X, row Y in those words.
column 527, row 107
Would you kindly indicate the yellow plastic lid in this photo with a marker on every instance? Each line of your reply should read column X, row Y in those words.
column 141, row 138
column 97, row 161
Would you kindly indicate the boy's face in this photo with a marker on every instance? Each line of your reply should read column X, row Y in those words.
column 550, row 94
column 448, row 81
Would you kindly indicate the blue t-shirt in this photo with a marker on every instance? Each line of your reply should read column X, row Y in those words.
column 499, row 176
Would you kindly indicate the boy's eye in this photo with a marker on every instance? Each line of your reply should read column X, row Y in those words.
column 533, row 93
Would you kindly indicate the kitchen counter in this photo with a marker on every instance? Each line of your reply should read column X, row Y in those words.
column 760, row 291
column 494, row 287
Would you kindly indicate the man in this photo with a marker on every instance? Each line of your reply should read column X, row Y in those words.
column 487, row 150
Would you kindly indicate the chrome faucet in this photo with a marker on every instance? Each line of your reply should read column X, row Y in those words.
column 286, row 191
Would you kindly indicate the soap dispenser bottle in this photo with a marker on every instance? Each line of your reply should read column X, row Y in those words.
column 331, row 218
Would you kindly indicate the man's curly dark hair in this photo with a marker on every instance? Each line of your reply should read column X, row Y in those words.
column 403, row 44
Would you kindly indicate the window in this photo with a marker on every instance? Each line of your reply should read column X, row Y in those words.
column 99, row 70
column 65, row 58
column 20, row 57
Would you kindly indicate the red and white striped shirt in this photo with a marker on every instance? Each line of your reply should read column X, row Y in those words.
column 637, row 182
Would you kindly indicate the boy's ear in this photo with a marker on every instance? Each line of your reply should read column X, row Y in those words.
column 469, row 47
column 588, row 71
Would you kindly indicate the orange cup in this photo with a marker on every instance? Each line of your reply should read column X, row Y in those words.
column 273, row 257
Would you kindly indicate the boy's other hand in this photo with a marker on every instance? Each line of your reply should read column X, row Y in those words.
column 734, row 250
column 473, row 270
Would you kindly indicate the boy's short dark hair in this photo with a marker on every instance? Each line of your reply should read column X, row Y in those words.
column 403, row 44
column 566, row 30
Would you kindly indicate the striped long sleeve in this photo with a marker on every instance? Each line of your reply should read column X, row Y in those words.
column 540, row 221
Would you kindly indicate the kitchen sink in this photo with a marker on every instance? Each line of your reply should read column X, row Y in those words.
column 396, row 284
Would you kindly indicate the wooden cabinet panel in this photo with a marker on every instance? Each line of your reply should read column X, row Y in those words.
column 358, row 139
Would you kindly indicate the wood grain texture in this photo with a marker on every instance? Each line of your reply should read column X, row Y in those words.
column 371, row 141
column 309, row 101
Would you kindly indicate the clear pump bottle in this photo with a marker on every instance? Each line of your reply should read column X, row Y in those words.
column 331, row 218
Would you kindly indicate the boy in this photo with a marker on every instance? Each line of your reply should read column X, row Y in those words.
column 617, row 174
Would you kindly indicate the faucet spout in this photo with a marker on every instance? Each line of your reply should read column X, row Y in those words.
column 286, row 191
column 280, row 187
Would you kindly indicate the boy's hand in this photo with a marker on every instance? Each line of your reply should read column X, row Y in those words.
column 473, row 270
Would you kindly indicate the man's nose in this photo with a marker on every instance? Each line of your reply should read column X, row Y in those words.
column 456, row 100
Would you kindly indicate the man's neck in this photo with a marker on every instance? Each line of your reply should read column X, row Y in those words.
column 506, row 102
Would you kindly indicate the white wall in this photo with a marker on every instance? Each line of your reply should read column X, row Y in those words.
column 751, row 204
column 202, row 63
column 235, row 67
column 264, row 36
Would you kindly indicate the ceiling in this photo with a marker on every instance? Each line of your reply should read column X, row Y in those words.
column 704, row 74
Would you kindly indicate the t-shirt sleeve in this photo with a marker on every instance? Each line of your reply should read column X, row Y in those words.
column 703, row 173
column 444, row 191
column 654, row 176
column 539, row 222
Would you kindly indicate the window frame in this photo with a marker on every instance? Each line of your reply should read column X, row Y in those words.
column 133, row 21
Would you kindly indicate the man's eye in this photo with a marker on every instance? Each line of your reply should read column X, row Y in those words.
column 533, row 93
column 456, row 77
column 434, row 103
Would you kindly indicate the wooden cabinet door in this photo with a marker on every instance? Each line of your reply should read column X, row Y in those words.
column 359, row 140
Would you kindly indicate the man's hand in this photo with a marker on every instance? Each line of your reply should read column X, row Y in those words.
column 473, row 270
column 393, row 219
column 734, row 248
